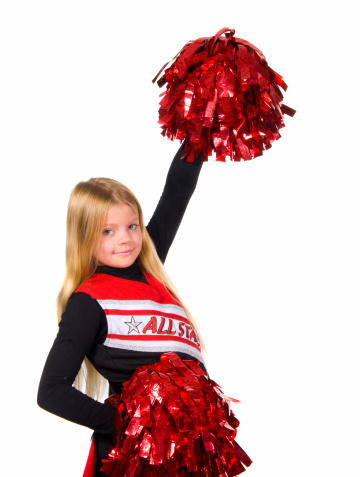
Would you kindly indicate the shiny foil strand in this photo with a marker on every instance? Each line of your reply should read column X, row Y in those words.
column 221, row 96
column 175, row 422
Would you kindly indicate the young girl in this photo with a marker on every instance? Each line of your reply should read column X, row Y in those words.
column 118, row 310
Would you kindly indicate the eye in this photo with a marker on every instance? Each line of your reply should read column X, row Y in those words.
column 108, row 232
column 133, row 226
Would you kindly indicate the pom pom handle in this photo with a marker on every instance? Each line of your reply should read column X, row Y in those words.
column 229, row 33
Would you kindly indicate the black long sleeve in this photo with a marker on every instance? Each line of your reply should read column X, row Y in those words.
column 83, row 323
column 179, row 186
column 78, row 331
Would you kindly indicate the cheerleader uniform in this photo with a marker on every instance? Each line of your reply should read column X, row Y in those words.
column 121, row 319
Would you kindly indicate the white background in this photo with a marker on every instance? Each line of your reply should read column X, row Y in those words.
column 267, row 257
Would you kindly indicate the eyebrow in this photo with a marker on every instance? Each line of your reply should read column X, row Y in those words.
column 134, row 219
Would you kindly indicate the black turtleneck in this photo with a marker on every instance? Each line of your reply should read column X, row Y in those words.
column 83, row 324
column 129, row 273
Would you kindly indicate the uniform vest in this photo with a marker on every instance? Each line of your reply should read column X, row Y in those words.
column 141, row 317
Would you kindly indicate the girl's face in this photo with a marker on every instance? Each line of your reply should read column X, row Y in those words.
column 121, row 237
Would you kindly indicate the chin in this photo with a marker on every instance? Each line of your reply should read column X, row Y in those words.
column 124, row 262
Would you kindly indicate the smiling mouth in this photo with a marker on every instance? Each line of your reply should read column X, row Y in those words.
column 125, row 252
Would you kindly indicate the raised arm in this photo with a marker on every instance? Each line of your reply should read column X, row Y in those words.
column 179, row 186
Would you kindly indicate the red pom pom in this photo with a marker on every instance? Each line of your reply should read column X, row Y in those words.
column 222, row 95
column 173, row 421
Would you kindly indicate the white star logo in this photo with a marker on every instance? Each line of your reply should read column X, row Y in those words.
column 133, row 325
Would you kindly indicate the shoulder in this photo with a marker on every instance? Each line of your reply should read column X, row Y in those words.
column 99, row 286
column 83, row 315
column 91, row 284
column 102, row 286
column 82, row 304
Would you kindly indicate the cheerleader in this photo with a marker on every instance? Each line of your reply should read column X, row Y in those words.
column 119, row 316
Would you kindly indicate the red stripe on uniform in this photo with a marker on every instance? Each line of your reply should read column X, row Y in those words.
column 153, row 338
column 144, row 312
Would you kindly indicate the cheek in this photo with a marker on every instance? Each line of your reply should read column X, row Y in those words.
column 103, row 248
column 139, row 240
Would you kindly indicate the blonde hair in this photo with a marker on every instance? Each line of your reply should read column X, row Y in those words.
column 88, row 205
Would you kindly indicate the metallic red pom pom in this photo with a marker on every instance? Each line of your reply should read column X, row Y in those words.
column 222, row 96
column 173, row 421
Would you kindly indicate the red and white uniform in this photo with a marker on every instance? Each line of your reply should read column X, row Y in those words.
column 141, row 317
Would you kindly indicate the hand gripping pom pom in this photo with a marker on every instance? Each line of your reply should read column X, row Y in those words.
column 173, row 421
column 222, row 96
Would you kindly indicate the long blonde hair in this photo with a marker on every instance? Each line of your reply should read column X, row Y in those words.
column 88, row 205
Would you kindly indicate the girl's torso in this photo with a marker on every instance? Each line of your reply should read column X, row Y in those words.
column 142, row 321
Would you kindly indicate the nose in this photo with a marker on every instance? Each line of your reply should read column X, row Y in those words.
column 123, row 236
